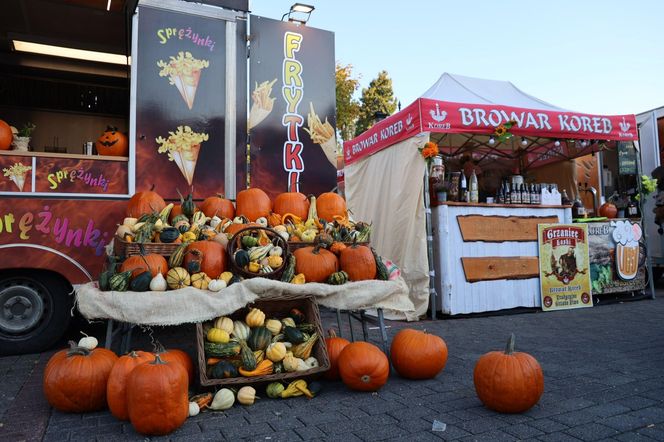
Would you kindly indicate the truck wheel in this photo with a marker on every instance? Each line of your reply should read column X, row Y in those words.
column 34, row 311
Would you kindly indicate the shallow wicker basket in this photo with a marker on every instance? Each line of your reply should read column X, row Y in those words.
column 277, row 240
column 124, row 248
column 277, row 308
column 294, row 245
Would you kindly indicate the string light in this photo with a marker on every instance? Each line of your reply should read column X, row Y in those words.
column 524, row 142
column 492, row 141
column 556, row 143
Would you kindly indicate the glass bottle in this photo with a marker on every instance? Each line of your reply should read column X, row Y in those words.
column 507, row 196
column 463, row 189
column 516, row 194
column 525, row 195
column 474, row 194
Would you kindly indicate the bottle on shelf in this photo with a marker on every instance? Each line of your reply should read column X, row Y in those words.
column 525, row 194
column 463, row 189
column 564, row 199
column 500, row 196
column 578, row 210
column 516, row 194
column 474, row 193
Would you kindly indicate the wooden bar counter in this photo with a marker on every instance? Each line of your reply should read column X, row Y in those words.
column 486, row 255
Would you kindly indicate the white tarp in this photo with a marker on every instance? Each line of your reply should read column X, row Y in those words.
column 387, row 189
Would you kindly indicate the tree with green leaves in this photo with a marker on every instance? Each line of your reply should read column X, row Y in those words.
column 348, row 108
column 378, row 97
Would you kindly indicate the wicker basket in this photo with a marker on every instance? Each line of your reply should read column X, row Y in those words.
column 272, row 308
column 294, row 245
column 124, row 248
column 277, row 240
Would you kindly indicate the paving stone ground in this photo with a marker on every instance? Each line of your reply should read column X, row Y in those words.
column 603, row 369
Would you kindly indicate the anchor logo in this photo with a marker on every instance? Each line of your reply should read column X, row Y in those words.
column 438, row 116
column 624, row 125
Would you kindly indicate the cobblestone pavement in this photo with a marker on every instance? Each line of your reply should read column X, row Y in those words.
column 603, row 369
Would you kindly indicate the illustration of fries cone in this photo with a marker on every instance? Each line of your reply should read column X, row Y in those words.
column 17, row 174
column 187, row 85
column 330, row 150
column 256, row 115
column 19, row 180
column 186, row 162
column 262, row 103
column 322, row 134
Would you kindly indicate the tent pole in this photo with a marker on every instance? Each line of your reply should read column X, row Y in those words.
column 432, row 270
column 651, row 278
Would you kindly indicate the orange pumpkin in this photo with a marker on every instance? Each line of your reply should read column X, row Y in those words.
column 334, row 346
column 363, row 366
column 292, row 202
column 6, row 135
column 253, row 203
column 112, row 143
column 180, row 357
column 116, row 389
column 233, row 228
column 138, row 264
column 359, row 262
column 274, row 219
column 157, row 397
column 509, row 381
column 418, row 355
column 608, row 210
column 315, row 263
column 219, row 206
column 213, row 261
column 329, row 205
column 146, row 202
column 75, row 379
column 337, row 247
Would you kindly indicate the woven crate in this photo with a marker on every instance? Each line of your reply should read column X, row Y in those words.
column 294, row 245
column 124, row 248
column 272, row 309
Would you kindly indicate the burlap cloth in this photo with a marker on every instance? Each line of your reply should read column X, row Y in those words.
column 190, row 305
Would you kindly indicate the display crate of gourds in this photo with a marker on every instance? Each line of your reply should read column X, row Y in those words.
column 268, row 341
column 168, row 246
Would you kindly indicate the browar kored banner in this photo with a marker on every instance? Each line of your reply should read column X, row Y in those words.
column 292, row 123
column 180, row 102
column 426, row 115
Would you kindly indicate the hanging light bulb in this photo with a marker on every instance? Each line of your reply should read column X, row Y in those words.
column 584, row 143
column 524, row 142
column 492, row 140
column 556, row 143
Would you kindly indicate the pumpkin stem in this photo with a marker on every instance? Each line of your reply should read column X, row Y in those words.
column 133, row 354
column 152, row 188
column 331, row 333
column 510, row 345
column 158, row 361
column 74, row 349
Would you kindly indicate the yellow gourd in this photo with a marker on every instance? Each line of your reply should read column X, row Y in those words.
column 291, row 363
column 254, row 267
column 177, row 278
column 275, row 261
column 298, row 279
column 200, row 280
column 189, row 236
column 274, row 325
column 226, row 276
column 218, row 335
column 255, row 318
column 224, row 323
column 263, row 368
column 303, row 350
column 246, row 395
column 276, row 351
column 298, row 387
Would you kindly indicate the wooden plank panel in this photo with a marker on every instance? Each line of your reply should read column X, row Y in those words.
column 490, row 268
column 492, row 228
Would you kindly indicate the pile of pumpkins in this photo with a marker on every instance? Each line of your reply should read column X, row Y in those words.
column 260, row 346
column 201, row 236
column 151, row 389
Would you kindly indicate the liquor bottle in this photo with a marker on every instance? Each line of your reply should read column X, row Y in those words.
column 538, row 194
column 474, row 194
column 578, row 210
column 516, row 194
column 507, row 195
column 499, row 195
column 525, row 195
column 564, row 199
column 533, row 195
column 463, row 189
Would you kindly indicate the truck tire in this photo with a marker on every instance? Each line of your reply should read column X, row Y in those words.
column 34, row 310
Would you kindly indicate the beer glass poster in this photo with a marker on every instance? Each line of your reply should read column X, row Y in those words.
column 564, row 266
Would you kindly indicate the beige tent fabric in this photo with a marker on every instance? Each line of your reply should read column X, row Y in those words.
column 190, row 305
column 387, row 189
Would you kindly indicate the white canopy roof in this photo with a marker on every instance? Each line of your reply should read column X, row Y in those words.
column 460, row 89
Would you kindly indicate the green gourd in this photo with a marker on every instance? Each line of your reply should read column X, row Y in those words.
column 381, row 270
column 141, row 282
column 278, row 367
column 338, row 278
column 219, row 350
column 259, row 338
column 241, row 258
column 247, row 356
column 169, row 234
column 223, row 370
column 120, row 281
column 293, row 335
column 178, row 256
column 274, row 390
column 289, row 270
column 187, row 204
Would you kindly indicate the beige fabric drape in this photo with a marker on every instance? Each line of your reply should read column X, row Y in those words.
column 387, row 189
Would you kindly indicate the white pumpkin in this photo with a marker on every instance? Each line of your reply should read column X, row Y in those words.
column 216, row 285
column 194, row 409
column 89, row 342
column 158, row 283
column 222, row 400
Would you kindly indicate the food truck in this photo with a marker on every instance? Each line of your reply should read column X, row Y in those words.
column 165, row 98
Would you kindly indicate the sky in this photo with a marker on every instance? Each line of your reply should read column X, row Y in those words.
column 592, row 56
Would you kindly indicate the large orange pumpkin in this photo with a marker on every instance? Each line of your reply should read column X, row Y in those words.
column 75, row 379
column 139, row 264
column 315, row 263
column 359, row 262
column 157, row 397
column 146, row 202
column 363, row 366
column 213, row 260
column 329, row 205
column 509, row 381
column 334, row 346
column 116, row 389
column 180, row 357
column 253, row 203
column 418, row 355
column 6, row 135
column 219, row 206
column 112, row 143
column 292, row 202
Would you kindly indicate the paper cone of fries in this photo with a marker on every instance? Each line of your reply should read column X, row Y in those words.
column 330, row 150
column 187, row 85
column 19, row 180
column 262, row 103
column 186, row 161
column 256, row 115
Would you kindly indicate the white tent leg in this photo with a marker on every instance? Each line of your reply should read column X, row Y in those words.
column 432, row 270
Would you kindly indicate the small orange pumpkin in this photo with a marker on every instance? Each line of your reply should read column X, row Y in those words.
column 315, row 263
column 509, row 381
column 253, row 203
column 112, row 143
column 334, row 346
column 116, row 389
column 6, row 135
column 292, row 202
column 213, row 262
column 219, row 206
column 359, row 262
column 329, row 205
column 418, row 355
column 138, row 264
column 146, row 202
column 363, row 366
